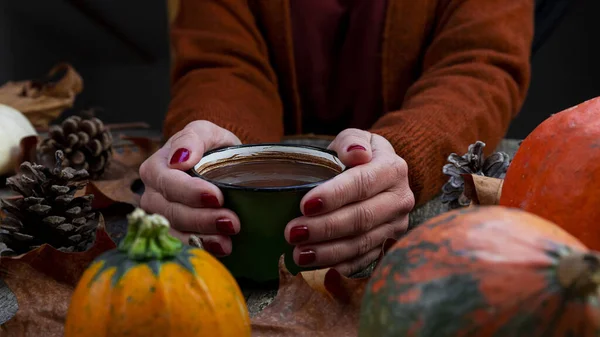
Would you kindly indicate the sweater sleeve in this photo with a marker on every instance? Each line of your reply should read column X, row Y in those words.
column 474, row 79
column 222, row 73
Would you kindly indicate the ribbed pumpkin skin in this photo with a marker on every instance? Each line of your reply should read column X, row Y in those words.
column 477, row 272
column 556, row 172
column 177, row 302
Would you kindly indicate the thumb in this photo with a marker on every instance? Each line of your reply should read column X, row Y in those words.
column 353, row 147
column 187, row 146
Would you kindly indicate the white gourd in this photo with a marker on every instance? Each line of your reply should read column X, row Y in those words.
column 13, row 127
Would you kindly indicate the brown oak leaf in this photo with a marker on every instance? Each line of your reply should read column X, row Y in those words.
column 42, row 281
column 315, row 303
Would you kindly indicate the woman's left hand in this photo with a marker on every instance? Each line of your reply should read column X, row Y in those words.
column 346, row 219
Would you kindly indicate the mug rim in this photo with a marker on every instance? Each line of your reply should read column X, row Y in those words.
column 291, row 188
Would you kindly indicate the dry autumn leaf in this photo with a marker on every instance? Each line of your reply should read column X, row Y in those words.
column 115, row 185
column 42, row 281
column 42, row 101
column 301, row 310
column 314, row 303
column 482, row 190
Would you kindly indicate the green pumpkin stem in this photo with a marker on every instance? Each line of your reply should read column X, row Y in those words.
column 579, row 273
column 148, row 238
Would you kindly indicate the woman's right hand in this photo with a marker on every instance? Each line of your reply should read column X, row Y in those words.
column 192, row 205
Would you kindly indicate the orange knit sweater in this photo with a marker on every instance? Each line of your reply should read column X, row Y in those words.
column 453, row 72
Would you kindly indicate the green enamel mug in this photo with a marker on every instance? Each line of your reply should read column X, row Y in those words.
column 264, row 184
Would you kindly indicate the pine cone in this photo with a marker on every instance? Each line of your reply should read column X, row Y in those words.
column 473, row 162
column 48, row 212
column 86, row 143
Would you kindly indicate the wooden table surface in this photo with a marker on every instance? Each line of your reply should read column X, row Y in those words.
column 257, row 297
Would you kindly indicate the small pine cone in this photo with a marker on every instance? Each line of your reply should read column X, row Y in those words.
column 86, row 143
column 48, row 211
column 473, row 162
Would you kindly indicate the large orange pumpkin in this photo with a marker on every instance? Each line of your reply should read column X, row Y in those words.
column 556, row 172
column 152, row 285
column 484, row 272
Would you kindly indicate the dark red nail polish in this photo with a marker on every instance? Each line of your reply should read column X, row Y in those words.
column 356, row 147
column 225, row 226
column 209, row 201
column 313, row 206
column 214, row 247
column 298, row 234
column 180, row 156
column 307, row 256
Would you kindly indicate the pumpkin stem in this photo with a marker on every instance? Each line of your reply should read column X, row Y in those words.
column 148, row 237
column 580, row 273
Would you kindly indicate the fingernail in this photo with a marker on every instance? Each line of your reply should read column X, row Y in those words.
column 298, row 234
column 180, row 156
column 225, row 226
column 355, row 147
column 307, row 256
column 209, row 200
column 214, row 247
column 313, row 206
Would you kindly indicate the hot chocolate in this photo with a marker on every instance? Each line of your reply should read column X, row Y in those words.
column 270, row 173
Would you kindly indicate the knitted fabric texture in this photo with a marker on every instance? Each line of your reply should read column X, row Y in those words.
column 453, row 72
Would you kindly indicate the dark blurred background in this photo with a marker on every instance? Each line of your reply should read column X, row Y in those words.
column 121, row 49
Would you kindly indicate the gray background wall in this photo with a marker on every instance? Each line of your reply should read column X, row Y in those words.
column 127, row 74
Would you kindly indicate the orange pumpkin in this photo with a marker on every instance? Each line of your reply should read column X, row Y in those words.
column 153, row 285
column 556, row 172
column 484, row 272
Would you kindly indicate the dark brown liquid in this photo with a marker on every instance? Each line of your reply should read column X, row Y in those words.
column 270, row 173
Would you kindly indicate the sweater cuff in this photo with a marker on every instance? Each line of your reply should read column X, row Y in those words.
column 425, row 160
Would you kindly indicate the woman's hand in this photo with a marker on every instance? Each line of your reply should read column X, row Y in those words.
column 347, row 219
column 191, row 205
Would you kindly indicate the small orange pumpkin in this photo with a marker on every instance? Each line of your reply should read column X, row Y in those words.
column 556, row 172
column 153, row 285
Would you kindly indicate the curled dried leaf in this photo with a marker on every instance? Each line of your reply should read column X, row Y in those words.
column 483, row 190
